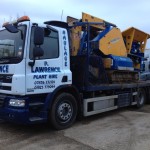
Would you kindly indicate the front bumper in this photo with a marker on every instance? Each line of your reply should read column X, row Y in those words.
column 20, row 116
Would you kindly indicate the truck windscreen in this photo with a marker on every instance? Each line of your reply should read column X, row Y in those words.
column 12, row 45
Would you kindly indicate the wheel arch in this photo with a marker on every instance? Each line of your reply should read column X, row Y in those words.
column 64, row 89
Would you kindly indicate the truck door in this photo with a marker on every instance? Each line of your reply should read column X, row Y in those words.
column 47, row 72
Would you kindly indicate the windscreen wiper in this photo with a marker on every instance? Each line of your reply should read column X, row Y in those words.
column 6, row 44
column 3, row 61
column 9, row 59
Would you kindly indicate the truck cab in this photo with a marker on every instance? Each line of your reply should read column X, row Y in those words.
column 34, row 62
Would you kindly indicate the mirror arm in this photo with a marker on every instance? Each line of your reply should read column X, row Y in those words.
column 32, row 63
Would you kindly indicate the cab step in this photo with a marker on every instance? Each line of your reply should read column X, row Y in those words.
column 36, row 104
column 36, row 119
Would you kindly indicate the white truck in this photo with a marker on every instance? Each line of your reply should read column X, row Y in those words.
column 41, row 82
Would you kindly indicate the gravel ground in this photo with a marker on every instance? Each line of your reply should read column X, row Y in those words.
column 124, row 129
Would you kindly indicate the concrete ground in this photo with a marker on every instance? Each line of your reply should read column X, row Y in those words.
column 124, row 129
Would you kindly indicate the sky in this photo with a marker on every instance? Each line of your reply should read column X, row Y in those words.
column 123, row 13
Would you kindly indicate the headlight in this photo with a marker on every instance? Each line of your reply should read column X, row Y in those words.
column 16, row 103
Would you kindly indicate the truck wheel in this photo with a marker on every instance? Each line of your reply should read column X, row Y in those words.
column 148, row 95
column 64, row 111
column 141, row 98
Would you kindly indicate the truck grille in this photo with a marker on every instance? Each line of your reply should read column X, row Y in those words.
column 5, row 78
column 8, row 88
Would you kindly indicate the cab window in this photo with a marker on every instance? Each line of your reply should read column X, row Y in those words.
column 50, row 45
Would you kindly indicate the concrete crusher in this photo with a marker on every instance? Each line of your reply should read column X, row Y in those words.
column 122, row 52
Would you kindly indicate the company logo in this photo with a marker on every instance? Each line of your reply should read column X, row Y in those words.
column 4, row 69
column 65, row 49
column 45, row 69
column 115, row 40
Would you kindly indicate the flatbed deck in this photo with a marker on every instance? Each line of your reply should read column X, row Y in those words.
column 116, row 86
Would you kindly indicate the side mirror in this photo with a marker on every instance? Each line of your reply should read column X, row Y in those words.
column 38, row 40
column 38, row 52
column 38, row 36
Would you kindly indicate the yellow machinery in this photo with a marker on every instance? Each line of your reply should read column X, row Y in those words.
column 75, row 34
column 111, row 43
column 122, row 53
column 135, row 42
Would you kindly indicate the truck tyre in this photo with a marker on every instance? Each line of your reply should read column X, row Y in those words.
column 63, row 112
column 141, row 98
